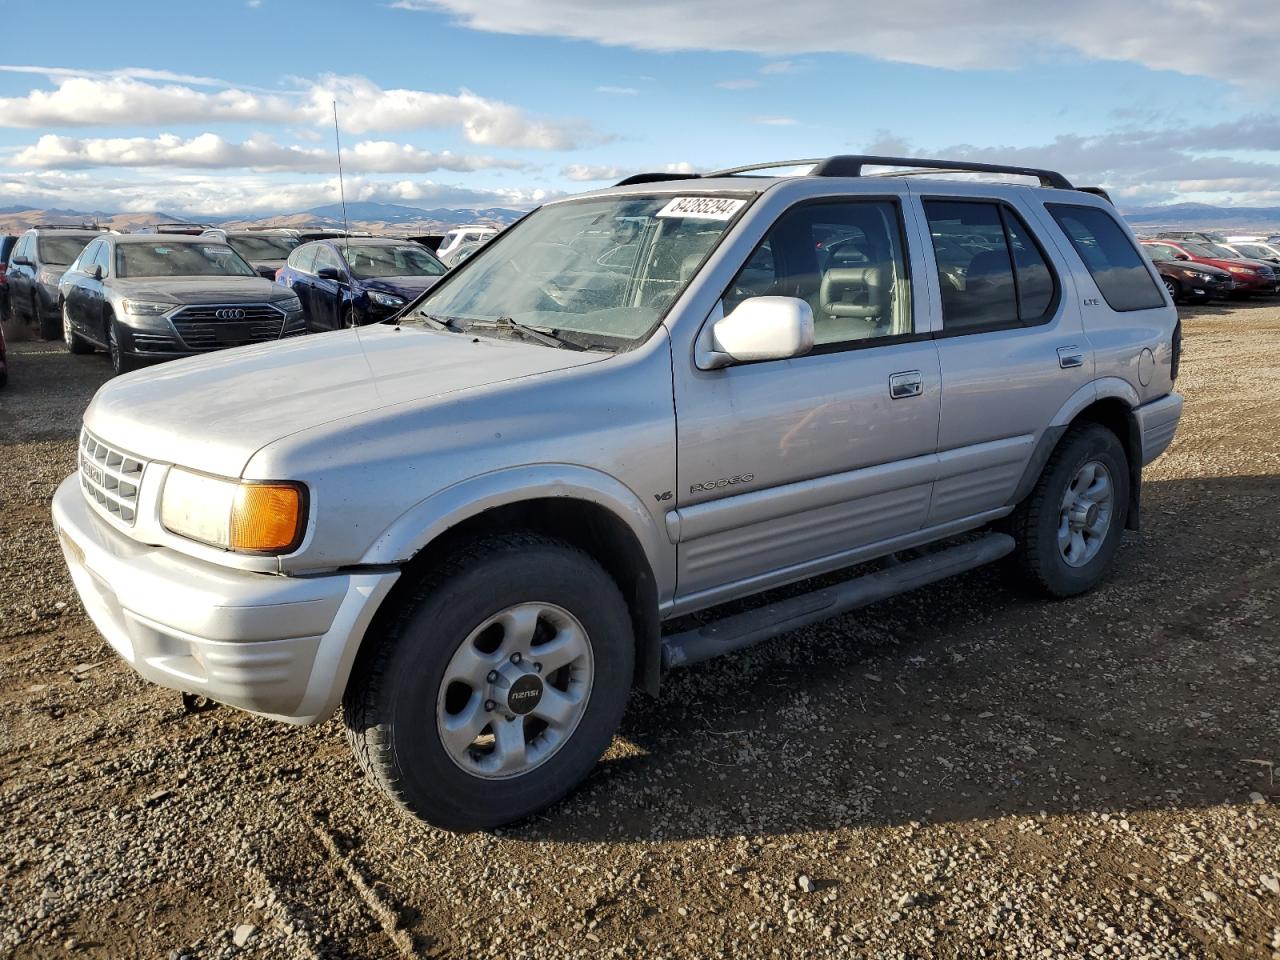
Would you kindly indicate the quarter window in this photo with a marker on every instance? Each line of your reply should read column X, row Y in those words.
column 991, row 272
column 1120, row 272
column 845, row 260
column 325, row 257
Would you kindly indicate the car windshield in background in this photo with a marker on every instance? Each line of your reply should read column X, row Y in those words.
column 60, row 251
column 369, row 261
column 162, row 259
column 605, row 270
column 1256, row 251
column 263, row 248
column 1207, row 251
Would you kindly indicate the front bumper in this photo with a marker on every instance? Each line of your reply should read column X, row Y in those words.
column 1158, row 421
column 279, row 646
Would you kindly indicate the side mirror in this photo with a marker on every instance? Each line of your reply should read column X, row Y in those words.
column 96, row 272
column 330, row 273
column 763, row 328
column 22, row 262
column 1181, row 256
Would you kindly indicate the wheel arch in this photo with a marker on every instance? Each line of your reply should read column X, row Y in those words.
column 588, row 510
column 1108, row 402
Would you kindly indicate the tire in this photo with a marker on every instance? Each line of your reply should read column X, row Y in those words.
column 73, row 341
column 1174, row 288
column 1039, row 521
column 49, row 329
column 398, row 700
column 348, row 319
column 120, row 361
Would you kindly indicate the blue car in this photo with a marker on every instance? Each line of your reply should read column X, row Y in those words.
column 347, row 283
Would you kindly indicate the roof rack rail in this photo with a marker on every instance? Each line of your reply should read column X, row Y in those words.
column 851, row 165
column 68, row 226
column 1098, row 192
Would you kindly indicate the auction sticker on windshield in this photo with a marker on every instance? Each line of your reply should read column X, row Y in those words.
column 702, row 208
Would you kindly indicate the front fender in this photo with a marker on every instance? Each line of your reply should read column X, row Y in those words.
column 429, row 518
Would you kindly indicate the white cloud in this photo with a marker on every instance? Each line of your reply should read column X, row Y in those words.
column 1188, row 36
column 623, row 91
column 209, row 151
column 772, row 121
column 363, row 106
column 222, row 196
column 745, row 83
column 586, row 173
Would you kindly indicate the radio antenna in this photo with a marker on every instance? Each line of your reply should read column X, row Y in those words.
column 342, row 190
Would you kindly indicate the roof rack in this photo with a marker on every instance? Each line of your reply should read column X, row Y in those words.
column 69, row 226
column 851, row 165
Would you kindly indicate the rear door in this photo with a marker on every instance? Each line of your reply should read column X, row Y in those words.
column 326, row 295
column 20, row 277
column 298, row 276
column 789, row 466
column 1011, row 349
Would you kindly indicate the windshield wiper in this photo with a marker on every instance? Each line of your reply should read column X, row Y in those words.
column 546, row 337
column 436, row 323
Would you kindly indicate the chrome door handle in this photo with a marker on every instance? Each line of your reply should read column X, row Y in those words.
column 906, row 384
column 1070, row 357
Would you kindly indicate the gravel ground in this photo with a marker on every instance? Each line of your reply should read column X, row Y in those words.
column 962, row 772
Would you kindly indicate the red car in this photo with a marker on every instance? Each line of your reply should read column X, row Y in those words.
column 1251, row 276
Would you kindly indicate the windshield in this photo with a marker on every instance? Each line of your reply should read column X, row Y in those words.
column 1204, row 250
column 605, row 269
column 368, row 261
column 162, row 259
column 263, row 248
column 60, row 251
column 1221, row 252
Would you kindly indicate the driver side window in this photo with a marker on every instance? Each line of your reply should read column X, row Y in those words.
column 846, row 260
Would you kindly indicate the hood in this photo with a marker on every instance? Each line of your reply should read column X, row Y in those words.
column 199, row 289
column 215, row 411
column 1238, row 262
column 1196, row 266
column 407, row 287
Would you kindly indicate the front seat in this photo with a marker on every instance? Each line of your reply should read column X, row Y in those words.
column 853, row 303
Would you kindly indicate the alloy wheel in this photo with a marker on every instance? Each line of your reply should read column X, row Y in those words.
column 515, row 690
column 1085, row 517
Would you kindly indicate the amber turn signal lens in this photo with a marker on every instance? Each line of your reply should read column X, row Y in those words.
column 267, row 517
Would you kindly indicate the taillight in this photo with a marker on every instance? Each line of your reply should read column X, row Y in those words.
column 1177, row 351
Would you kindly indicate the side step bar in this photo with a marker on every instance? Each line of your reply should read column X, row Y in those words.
column 743, row 630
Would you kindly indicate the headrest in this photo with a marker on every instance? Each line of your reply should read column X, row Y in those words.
column 852, row 292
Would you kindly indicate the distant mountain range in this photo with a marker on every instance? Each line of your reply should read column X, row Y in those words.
column 371, row 217
column 401, row 219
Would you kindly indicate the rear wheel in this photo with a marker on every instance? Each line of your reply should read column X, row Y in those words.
column 497, row 685
column 1069, row 529
column 74, row 342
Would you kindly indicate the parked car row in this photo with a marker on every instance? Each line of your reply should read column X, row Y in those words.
column 1194, row 266
column 177, row 289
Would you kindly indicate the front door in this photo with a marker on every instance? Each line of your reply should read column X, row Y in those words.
column 791, row 465
column 326, row 293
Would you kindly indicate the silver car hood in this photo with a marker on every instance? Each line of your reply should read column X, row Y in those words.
column 199, row 289
column 213, row 412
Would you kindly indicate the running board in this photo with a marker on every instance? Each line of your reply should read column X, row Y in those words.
column 743, row 630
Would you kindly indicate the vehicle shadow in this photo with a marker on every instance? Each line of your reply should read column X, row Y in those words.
column 1223, row 308
column 974, row 699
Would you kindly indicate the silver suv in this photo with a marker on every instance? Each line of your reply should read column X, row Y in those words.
column 468, row 525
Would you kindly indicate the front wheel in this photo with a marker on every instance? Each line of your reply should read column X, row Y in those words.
column 1069, row 529
column 1175, row 290
column 496, row 685
column 72, row 340
column 50, row 327
column 121, row 362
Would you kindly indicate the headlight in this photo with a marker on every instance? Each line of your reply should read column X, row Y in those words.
column 146, row 308
column 246, row 517
column 386, row 299
column 1248, row 271
column 1202, row 277
column 47, row 276
column 290, row 305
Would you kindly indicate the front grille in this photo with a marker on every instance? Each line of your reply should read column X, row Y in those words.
column 212, row 326
column 110, row 478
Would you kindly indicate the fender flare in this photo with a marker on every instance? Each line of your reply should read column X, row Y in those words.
column 1103, row 388
column 446, row 508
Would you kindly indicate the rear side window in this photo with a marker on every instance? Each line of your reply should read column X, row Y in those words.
column 1118, row 269
column 304, row 257
column 991, row 272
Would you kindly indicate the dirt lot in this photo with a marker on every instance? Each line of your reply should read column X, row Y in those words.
column 964, row 772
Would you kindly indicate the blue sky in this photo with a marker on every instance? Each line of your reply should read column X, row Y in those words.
column 222, row 107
